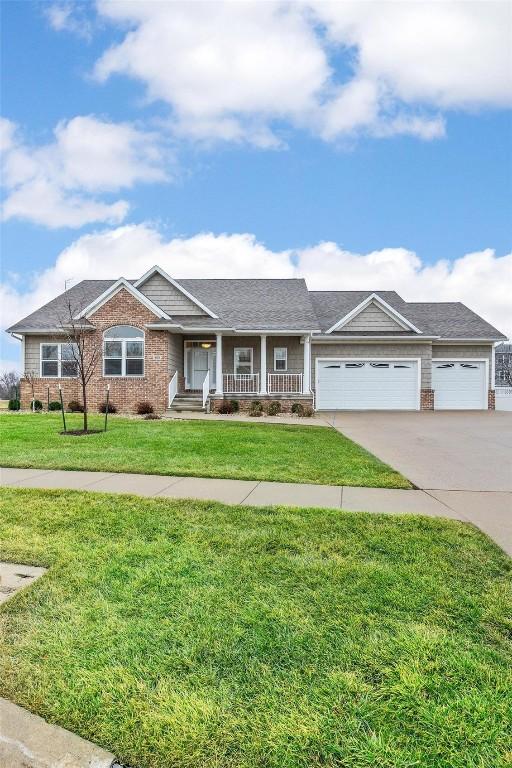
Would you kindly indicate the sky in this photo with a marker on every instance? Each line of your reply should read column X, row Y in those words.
column 360, row 145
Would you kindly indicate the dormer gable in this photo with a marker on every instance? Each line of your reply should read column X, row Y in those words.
column 169, row 295
column 373, row 314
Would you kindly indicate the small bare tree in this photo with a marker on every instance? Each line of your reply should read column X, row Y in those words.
column 31, row 377
column 84, row 349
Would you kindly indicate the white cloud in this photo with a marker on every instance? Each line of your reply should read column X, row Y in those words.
column 481, row 280
column 69, row 17
column 233, row 70
column 55, row 184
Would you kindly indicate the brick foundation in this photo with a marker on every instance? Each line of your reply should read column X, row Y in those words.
column 245, row 402
column 491, row 400
column 427, row 400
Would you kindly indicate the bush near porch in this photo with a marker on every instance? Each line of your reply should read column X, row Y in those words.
column 280, row 452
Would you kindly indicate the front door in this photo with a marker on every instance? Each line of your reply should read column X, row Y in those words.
column 202, row 360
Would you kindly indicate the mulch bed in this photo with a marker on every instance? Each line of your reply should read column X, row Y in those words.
column 78, row 432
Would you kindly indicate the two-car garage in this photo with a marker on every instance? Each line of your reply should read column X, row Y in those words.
column 395, row 384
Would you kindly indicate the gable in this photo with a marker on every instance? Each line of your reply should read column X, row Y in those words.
column 169, row 298
column 373, row 318
column 122, row 307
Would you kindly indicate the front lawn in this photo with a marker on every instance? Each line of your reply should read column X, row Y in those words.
column 197, row 448
column 192, row 634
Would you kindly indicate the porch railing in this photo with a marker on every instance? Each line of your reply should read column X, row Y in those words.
column 173, row 388
column 284, row 383
column 206, row 387
column 241, row 383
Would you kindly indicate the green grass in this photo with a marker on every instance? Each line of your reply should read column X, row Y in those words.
column 197, row 448
column 197, row 635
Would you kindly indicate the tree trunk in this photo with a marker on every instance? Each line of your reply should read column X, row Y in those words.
column 84, row 398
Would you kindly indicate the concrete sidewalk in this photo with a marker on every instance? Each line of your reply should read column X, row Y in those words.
column 490, row 511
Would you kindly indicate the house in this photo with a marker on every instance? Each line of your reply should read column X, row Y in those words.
column 175, row 342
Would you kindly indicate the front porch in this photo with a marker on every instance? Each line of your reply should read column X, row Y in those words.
column 241, row 367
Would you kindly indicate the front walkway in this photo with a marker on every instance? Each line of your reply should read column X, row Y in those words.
column 489, row 511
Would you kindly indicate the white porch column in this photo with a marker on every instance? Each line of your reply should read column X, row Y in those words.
column 218, row 366
column 306, row 378
column 263, row 365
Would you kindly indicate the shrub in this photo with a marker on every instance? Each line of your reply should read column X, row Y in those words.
column 298, row 409
column 36, row 405
column 235, row 405
column 307, row 411
column 144, row 408
column 75, row 407
column 256, row 408
column 54, row 405
column 151, row 416
column 14, row 404
column 111, row 408
column 273, row 408
column 225, row 407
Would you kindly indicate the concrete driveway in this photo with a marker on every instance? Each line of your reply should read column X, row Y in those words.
column 461, row 459
column 443, row 450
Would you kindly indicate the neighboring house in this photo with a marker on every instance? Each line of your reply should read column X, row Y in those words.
column 504, row 365
column 164, row 340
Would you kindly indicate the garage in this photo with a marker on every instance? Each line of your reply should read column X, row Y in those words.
column 359, row 384
column 459, row 384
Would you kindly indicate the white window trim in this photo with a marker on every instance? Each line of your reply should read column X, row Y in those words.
column 123, row 374
column 57, row 344
column 237, row 349
column 374, row 360
column 281, row 370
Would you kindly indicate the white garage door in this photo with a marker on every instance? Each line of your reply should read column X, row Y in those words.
column 459, row 384
column 367, row 385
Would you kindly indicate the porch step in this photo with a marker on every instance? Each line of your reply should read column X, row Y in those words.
column 187, row 402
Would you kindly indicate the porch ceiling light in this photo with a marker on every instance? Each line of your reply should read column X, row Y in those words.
column 206, row 344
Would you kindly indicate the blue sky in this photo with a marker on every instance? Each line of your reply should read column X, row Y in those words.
column 319, row 135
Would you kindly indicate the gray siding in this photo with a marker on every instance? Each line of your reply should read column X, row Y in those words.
column 175, row 353
column 167, row 297
column 292, row 343
column 395, row 351
column 32, row 351
column 461, row 351
column 372, row 319
column 295, row 353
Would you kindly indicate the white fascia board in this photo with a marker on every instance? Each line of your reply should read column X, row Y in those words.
column 387, row 308
column 158, row 270
column 468, row 341
column 274, row 332
column 115, row 288
column 371, row 339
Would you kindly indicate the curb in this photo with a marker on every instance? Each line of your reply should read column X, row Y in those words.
column 28, row 741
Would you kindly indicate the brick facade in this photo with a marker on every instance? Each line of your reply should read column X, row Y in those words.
column 491, row 399
column 125, row 393
column 427, row 400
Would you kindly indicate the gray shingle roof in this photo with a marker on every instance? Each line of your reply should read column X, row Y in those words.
column 281, row 304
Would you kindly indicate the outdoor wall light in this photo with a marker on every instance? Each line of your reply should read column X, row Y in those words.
column 206, row 344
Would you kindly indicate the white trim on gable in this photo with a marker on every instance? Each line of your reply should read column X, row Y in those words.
column 374, row 298
column 158, row 270
column 115, row 288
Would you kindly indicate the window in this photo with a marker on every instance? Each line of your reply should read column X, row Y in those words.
column 280, row 358
column 354, row 365
column 243, row 360
column 123, row 351
column 58, row 361
column 379, row 365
